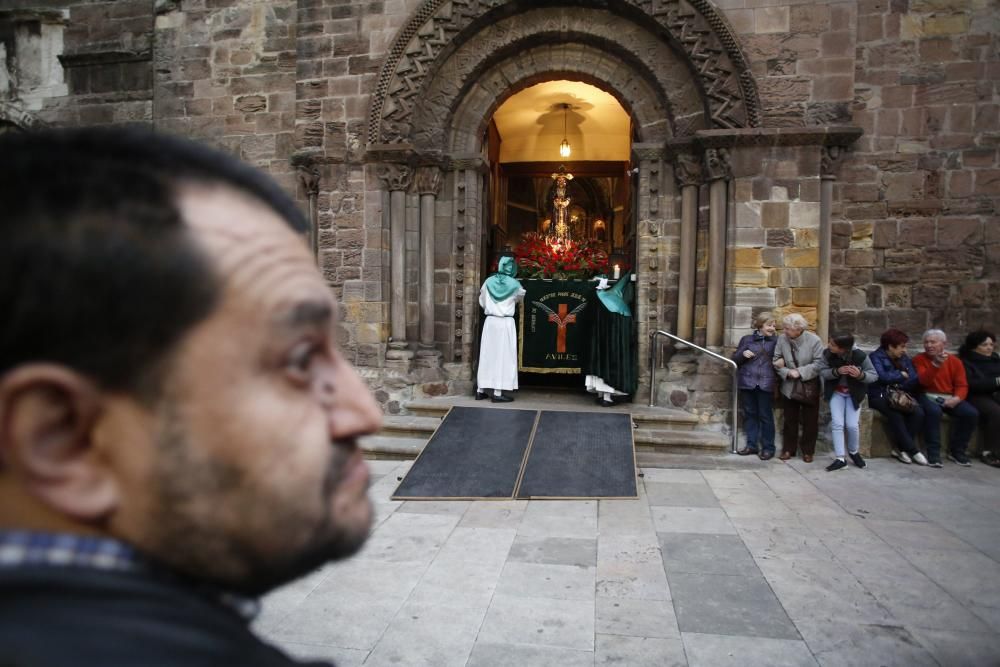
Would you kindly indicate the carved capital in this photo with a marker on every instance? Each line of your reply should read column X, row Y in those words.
column 717, row 163
column 428, row 180
column 309, row 176
column 687, row 169
column 471, row 163
column 395, row 176
column 830, row 160
column 648, row 151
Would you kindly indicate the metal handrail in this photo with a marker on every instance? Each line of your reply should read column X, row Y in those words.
column 654, row 357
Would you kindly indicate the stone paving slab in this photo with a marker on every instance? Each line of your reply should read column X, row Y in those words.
column 638, row 652
column 716, row 563
column 576, row 551
column 705, row 554
column 707, row 650
column 729, row 605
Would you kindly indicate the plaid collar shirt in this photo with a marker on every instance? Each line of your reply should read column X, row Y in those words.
column 19, row 548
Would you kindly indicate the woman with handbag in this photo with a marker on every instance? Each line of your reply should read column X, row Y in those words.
column 756, row 383
column 894, row 395
column 846, row 372
column 982, row 370
column 797, row 357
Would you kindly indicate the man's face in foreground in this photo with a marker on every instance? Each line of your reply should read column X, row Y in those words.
column 256, row 476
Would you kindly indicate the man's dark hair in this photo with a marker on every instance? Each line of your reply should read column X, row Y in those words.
column 98, row 271
column 844, row 341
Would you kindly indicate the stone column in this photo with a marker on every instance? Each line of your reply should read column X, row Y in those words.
column 828, row 161
column 397, row 178
column 309, row 176
column 688, row 173
column 717, row 167
column 428, row 183
column 467, row 233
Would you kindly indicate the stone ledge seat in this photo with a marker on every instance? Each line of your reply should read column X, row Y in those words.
column 875, row 440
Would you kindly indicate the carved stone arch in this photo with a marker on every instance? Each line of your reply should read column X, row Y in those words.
column 695, row 29
column 460, row 124
column 12, row 115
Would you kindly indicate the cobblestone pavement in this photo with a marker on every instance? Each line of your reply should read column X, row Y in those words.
column 721, row 561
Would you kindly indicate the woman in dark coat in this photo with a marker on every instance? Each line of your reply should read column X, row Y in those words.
column 982, row 370
column 895, row 368
column 756, row 383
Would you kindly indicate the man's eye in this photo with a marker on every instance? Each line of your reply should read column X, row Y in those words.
column 301, row 359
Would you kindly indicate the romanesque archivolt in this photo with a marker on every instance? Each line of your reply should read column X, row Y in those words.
column 695, row 27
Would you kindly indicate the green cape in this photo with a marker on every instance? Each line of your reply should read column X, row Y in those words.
column 612, row 298
column 502, row 284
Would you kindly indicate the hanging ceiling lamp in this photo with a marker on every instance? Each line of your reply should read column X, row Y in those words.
column 564, row 149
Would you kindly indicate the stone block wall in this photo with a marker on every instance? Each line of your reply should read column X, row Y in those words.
column 225, row 74
column 773, row 235
column 81, row 63
column 916, row 244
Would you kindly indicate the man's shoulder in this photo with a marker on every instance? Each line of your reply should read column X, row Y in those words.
column 76, row 616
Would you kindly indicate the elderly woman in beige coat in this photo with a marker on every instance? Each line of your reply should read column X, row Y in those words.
column 798, row 355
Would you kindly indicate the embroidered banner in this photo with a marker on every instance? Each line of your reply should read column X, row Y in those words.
column 554, row 325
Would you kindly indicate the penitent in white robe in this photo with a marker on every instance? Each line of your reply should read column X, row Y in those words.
column 498, row 351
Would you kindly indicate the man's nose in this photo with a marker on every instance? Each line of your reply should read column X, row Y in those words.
column 352, row 411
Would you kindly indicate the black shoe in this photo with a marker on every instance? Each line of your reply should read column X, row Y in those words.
column 604, row 403
column 746, row 451
column 960, row 459
column 858, row 461
column 838, row 464
column 480, row 395
column 501, row 399
column 766, row 455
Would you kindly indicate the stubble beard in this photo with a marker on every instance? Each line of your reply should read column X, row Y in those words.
column 203, row 510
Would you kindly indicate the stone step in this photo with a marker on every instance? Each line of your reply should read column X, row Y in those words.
column 388, row 447
column 675, row 440
column 643, row 415
column 410, row 426
column 403, row 437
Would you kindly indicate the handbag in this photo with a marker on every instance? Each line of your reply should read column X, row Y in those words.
column 899, row 399
column 803, row 391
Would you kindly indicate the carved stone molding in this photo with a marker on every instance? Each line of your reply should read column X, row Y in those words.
column 471, row 163
column 11, row 113
column 309, row 176
column 778, row 136
column 427, row 180
column 695, row 27
column 687, row 169
column 396, row 176
column 717, row 164
column 830, row 160
column 648, row 152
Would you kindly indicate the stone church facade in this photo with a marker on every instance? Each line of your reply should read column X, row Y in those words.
column 837, row 159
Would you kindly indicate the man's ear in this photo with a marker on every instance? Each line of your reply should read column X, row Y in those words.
column 48, row 415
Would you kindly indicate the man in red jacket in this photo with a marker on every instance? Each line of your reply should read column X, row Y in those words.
column 942, row 377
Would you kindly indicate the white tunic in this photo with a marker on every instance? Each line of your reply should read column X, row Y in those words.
column 498, row 351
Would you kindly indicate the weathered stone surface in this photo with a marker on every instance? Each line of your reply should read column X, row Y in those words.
column 914, row 201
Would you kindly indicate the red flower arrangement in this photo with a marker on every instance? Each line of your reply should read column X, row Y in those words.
column 567, row 260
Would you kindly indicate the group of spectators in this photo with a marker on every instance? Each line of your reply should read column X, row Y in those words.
column 911, row 394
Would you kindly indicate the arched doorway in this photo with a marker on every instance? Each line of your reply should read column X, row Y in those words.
column 553, row 139
column 677, row 69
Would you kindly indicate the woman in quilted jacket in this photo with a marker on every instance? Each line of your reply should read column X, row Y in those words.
column 756, row 383
column 894, row 368
column 982, row 370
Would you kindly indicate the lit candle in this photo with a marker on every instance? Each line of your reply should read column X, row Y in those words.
column 618, row 272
